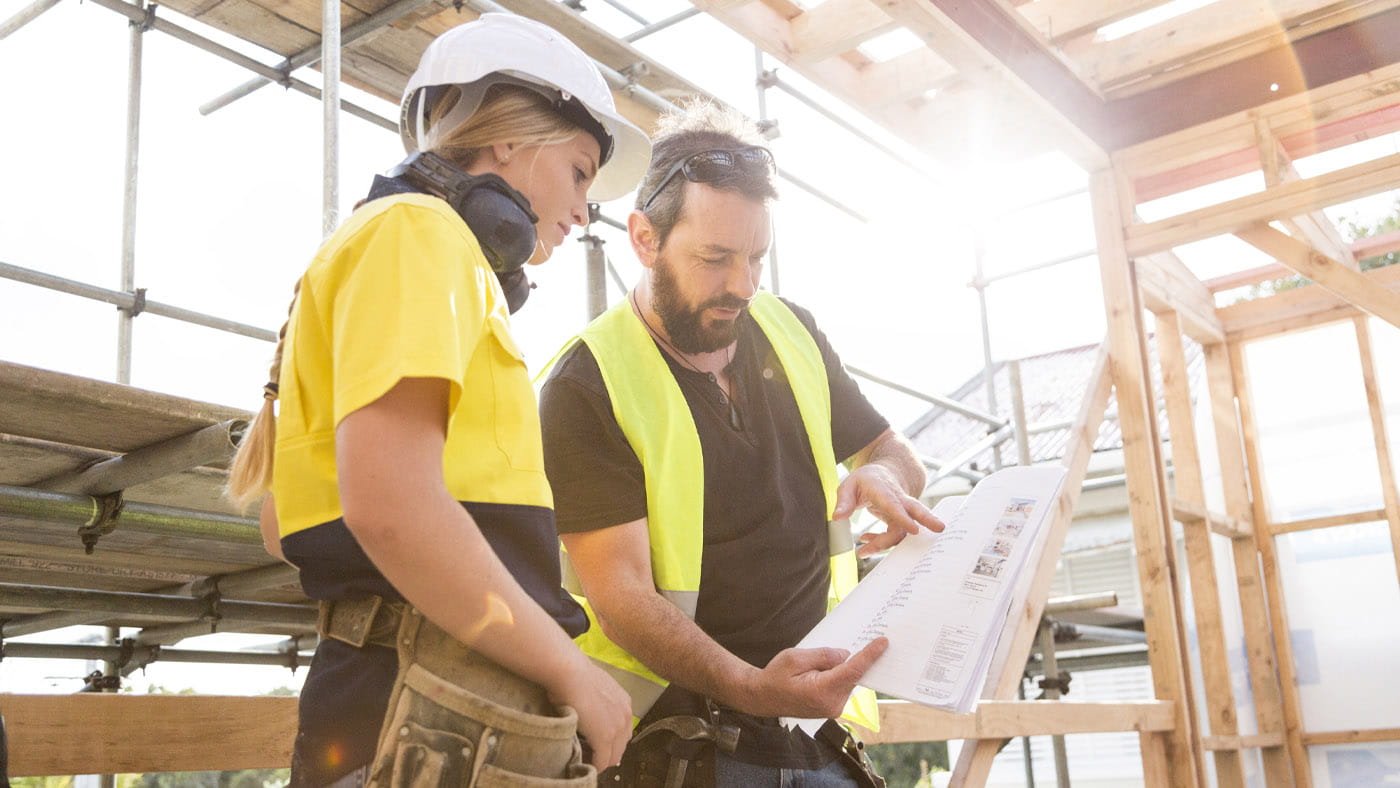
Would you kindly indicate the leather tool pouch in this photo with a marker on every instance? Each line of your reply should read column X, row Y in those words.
column 458, row 720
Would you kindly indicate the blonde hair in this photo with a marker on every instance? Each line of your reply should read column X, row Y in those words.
column 508, row 114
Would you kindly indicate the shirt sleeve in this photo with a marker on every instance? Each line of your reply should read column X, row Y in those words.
column 597, row 479
column 854, row 421
column 411, row 301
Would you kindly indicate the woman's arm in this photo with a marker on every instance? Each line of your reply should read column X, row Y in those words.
column 389, row 461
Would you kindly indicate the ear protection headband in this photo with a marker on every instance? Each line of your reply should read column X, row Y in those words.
column 498, row 215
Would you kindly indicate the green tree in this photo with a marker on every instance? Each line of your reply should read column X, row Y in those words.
column 905, row 765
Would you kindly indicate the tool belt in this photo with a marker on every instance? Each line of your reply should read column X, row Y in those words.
column 455, row 718
column 679, row 752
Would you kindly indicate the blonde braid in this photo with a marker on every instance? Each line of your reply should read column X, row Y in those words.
column 250, row 475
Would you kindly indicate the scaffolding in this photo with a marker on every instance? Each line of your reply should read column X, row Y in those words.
column 139, row 474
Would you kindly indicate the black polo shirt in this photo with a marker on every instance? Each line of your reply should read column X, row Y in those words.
column 765, row 569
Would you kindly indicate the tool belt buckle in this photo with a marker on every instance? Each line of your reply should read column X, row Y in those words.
column 349, row 621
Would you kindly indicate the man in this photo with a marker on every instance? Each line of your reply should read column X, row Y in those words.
column 691, row 439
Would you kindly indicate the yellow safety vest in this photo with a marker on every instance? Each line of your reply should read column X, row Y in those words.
column 656, row 420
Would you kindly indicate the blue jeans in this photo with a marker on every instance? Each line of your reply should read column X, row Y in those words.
column 730, row 773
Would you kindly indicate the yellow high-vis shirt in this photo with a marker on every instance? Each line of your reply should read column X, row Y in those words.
column 403, row 290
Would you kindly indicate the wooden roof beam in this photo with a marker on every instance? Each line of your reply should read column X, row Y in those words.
column 1169, row 286
column 1284, row 200
column 1059, row 20
column 905, row 77
column 837, row 26
column 1239, row 29
column 1329, row 274
column 1321, row 119
column 995, row 48
column 1299, row 308
column 1287, row 69
column 774, row 33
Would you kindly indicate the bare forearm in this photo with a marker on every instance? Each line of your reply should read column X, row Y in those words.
column 674, row 647
column 432, row 552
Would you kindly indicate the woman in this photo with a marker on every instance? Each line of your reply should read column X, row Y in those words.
column 408, row 479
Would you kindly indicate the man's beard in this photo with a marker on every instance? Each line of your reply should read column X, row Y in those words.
column 685, row 326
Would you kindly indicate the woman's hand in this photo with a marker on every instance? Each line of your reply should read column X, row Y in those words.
column 604, row 710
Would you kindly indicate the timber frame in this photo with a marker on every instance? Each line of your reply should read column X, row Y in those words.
column 1227, row 89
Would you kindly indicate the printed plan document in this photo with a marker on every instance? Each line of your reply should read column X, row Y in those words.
column 942, row 599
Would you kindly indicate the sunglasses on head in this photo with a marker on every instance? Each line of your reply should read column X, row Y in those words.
column 708, row 166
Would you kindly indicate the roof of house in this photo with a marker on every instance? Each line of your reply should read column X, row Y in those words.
column 1053, row 387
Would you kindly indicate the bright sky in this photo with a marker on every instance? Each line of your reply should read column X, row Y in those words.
column 230, row 205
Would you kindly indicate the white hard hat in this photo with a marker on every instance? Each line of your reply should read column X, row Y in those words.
column 506, row 48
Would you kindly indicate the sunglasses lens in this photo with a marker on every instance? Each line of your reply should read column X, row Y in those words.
column 712, row 165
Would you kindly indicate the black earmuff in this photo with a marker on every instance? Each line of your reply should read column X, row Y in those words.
column 497, row 214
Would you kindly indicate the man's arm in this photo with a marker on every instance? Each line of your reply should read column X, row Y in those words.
column 614, row 567
column 887, row 478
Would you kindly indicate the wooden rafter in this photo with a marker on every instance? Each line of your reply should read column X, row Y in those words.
column 1200, row 40
column 996, row 49
column 1293, row 68
column 1059, row 20
column 837, row 26
column 1299, row 308
column 1314, row 227
column 1326, row 272
column 1169, row 286
column 1284, row 200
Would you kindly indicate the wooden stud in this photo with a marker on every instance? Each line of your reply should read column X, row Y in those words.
column 1368, row 516
column 1200, row 560
column 1014, row 646
column 1270, row 699
column 1147, row 498
column 1289, row 199
column 1254, row 608
column 95, row 733
column 1375, row 403
column 1156, row 770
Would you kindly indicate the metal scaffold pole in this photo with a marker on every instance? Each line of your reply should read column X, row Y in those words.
column 330, row 115
column 125, row 315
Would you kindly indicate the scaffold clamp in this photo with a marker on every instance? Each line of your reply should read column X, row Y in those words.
column 104, row 522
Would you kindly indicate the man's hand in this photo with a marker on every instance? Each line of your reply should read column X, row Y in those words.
column 876, row 488
column 810, row 682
